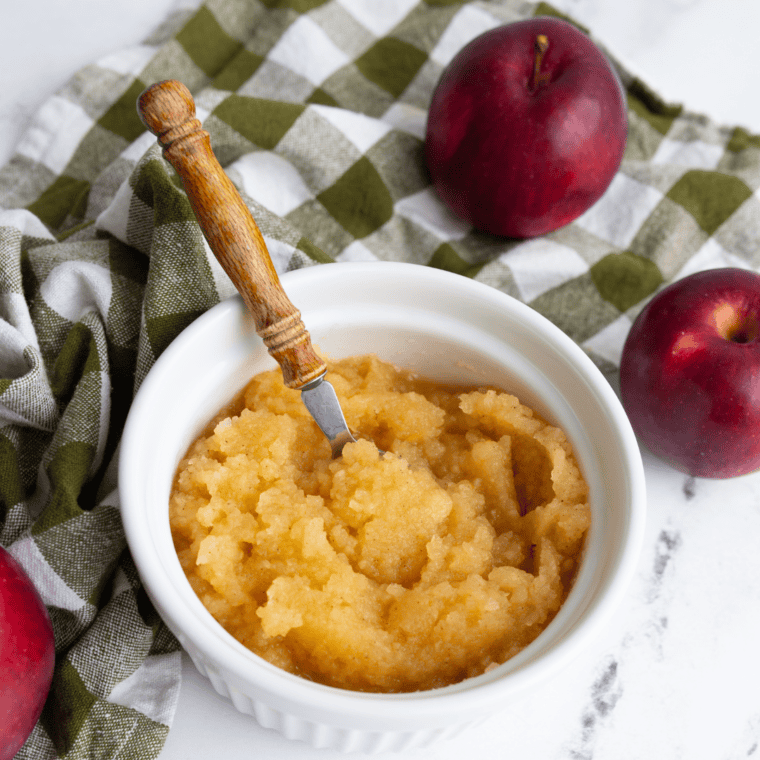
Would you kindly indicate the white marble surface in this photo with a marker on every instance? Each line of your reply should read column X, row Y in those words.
column 675, row 674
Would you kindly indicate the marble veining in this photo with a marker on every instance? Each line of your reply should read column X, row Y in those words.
column 606, row 691
column 668, row 543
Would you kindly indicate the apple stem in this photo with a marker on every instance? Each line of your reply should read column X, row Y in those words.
column 540, row 46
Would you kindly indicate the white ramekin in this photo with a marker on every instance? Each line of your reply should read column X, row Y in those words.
column 448, row 328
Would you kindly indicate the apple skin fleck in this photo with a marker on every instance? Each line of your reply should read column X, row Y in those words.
column 690, row 373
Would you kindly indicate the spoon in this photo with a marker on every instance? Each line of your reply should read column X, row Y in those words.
column 167, row 109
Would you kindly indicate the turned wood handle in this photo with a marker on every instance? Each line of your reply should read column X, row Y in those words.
column 167, row 109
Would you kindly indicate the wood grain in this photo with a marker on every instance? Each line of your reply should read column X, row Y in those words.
column 167, row 109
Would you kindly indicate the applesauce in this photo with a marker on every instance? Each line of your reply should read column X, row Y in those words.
column 416, row 569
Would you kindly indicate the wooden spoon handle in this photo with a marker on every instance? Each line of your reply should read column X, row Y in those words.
column 167, row 109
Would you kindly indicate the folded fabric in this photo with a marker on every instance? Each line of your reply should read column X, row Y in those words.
column 316, row 109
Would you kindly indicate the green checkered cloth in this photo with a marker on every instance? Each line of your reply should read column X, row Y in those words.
column 316, row 109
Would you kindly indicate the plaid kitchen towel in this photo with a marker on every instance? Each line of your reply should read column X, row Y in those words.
column 316, row 109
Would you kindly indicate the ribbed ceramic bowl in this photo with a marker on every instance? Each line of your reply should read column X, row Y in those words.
column 445, row 327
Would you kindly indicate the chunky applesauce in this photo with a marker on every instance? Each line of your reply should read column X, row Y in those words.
column 411, row 570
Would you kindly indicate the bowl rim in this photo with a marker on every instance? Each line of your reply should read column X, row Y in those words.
column 470, row 695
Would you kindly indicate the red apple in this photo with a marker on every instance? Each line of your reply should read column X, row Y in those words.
column 526, row 128
column 690, row 373
column 27, row 655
